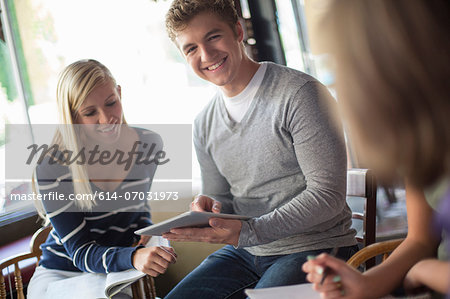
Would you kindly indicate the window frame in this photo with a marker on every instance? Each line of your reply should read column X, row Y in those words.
column 9, row 32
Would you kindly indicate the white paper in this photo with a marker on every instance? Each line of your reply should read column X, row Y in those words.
column 98, row 285
column 86, row 285
column 298, row 291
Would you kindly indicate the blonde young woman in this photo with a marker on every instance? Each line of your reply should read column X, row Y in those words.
column 393, row 75
column 94, row 235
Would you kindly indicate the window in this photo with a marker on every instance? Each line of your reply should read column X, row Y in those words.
column 299, row 25
column 12, row 110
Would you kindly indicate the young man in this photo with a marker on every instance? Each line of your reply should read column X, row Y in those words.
column 267, row 149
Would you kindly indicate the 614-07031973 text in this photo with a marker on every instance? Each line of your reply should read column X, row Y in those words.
column 107, row 196
column 134, row 195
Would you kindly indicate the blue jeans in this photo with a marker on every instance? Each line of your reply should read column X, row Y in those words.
column 229, row 271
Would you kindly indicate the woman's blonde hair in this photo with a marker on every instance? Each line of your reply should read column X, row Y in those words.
column 393, row 77
column 75, row 83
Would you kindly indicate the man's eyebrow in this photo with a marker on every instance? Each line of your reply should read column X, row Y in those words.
column 209, row 33
column 213, row 31
column 187, row 46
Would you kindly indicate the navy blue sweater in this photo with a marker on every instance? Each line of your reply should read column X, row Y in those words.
column 100, row 240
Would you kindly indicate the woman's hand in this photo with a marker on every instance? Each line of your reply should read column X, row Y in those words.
column 342, row 280
column 144, row 240
column 154, row 260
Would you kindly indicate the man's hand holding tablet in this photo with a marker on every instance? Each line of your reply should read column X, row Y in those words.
column 204, row 203
column 221, row 231
column 193, row 226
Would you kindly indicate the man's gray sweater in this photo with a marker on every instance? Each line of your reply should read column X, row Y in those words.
column 284, row 164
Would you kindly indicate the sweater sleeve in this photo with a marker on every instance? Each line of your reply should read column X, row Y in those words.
column 145, row 219
column 214, row 184
column 321, row 155
column 73, row 228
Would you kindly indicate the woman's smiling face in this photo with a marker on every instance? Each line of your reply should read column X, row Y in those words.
column 101, row 113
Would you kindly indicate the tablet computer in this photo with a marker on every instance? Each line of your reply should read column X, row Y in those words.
column 188, row 219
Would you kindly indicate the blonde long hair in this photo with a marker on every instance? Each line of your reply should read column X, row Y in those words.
column 393, row 76
column 75, row 83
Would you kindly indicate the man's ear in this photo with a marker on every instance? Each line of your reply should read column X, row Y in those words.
column 239, row 31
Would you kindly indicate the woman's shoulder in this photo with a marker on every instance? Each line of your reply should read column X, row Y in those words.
column 51, row 168
column 51, row 175
column 149, row 136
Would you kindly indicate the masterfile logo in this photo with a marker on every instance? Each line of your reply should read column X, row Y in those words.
column 164, row 147
column 95, row 156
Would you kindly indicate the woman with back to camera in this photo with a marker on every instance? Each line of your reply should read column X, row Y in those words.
column 94, row 235
column 392, row 67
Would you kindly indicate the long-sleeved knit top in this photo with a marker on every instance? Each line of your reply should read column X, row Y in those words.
column 99, row 240
column 284, row 164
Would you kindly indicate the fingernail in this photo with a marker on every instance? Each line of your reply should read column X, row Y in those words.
column 337, row 278
column 319, row 270
column 310, row 257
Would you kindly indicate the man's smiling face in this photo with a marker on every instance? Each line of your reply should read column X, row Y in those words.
column 212, row 49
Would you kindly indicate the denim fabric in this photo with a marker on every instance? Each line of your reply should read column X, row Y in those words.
column 229, row 271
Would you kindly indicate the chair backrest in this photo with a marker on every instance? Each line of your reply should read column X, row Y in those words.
column 35, row 252
column 382, row 249
column 142, row 288
column 362, row 199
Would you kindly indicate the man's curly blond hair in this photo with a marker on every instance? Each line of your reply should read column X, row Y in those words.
column 181, row 12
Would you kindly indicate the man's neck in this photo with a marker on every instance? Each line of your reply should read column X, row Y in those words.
column 246, row 72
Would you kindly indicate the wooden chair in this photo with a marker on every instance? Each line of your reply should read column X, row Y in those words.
column 362, row 199
column 144, row 288
column 361, row 184
column 383, row 249
column 35, row 252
